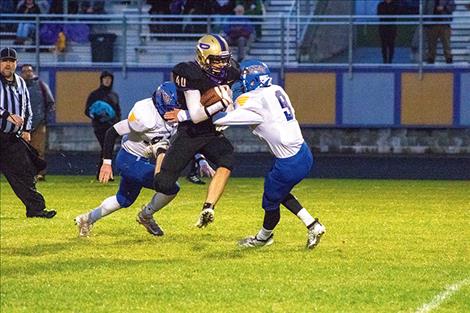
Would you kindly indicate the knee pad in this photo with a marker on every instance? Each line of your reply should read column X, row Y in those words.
column 124, row 201
column 162, row 183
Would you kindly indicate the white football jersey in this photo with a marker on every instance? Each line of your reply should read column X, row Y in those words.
column 143, row 127
column 270, row 109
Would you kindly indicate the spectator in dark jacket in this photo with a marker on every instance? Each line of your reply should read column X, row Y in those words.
column 102, row 106
column 440, row 30
column 42, row 104
column 387, row 32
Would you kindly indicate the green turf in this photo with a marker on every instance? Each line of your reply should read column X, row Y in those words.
column 390, row 246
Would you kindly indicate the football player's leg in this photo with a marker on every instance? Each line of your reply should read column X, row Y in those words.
column 85, row 221
column 177, row 157
column 128, row 191
column 220, row 152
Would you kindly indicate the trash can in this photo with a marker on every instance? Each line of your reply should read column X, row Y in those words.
column 102, row 47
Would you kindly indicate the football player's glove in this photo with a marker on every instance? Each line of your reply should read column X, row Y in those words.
column 153, row 150
column 213, row 54
column 205, row 169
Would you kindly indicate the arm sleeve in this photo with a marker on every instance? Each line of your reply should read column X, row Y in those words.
column 199, row 113
column 193, row 102
column 237, row 117
column 183, row 116
column 110, row 138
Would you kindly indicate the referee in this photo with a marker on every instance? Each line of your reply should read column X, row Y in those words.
column 15, row 121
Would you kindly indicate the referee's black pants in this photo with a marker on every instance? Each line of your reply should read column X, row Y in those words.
column 19, row 171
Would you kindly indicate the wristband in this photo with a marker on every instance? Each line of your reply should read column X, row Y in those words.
column 107, row 161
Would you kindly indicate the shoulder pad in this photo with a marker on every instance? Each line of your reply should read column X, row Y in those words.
column 143, row 116
column 188, row 70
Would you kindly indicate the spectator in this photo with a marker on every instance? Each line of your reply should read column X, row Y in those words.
column 91, row 7
column 440, row 30
column 7, row 6
column 42, row 104
column 222, row 7
column 197, row 7
column 16, row 118
column 26, row 29
column 387, row 32
column 158, row 7
column 102, row 107
column 239, row 32
column 253, row 7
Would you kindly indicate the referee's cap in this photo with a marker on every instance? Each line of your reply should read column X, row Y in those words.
column 8, row 54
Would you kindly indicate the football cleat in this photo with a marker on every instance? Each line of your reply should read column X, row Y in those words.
column 195, row 180
column 150, row 224
column 84, row 226
column 314, row 234
column 205, row 218
column 253, row 242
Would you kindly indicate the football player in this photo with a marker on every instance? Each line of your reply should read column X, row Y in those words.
column 212, row 67
column 268, row 109
column 146, row 138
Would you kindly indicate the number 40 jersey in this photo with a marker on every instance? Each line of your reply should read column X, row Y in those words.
column 270, row 112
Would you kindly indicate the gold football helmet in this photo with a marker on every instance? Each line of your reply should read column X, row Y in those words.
column 213, row 54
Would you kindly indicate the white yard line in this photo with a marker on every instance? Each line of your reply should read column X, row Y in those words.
column 438, row 299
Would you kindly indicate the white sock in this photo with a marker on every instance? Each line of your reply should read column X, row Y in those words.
column 305, row 217
column 108, row 206
column 264, row 233
column 159, row 201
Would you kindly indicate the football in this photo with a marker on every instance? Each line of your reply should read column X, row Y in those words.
column 216, row 94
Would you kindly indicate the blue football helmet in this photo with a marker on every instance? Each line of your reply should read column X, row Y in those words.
column 255, row 74
column 165, row 98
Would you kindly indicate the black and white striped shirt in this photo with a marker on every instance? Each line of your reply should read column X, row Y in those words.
column 14, row 99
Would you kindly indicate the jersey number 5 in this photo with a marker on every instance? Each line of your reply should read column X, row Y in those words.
column 284, row 105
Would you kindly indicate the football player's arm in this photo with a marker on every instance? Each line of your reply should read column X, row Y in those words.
column 197, row 112
column 118, row 129
column 237, row 117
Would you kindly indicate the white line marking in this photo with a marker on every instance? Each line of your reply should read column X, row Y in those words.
column 437, row 300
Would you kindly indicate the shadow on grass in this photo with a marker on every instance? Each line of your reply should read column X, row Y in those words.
column 84, row 265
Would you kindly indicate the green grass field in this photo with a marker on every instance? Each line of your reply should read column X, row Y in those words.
column 390, row 246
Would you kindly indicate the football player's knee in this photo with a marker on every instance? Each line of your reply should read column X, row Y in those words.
column 270, row 202
column 226, row 161
column 163, row 184
column 124, row 200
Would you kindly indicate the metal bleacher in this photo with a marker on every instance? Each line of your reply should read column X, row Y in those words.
column 136, row 45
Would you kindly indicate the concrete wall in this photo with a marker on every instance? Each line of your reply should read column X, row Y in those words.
column 379, row 110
